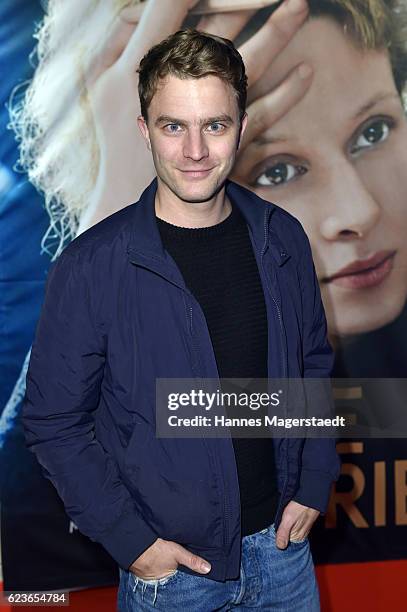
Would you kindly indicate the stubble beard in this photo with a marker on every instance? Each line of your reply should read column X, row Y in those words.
column 209, row 188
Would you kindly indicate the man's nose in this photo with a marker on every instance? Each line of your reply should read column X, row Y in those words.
column 194, row 145
column 350, row 208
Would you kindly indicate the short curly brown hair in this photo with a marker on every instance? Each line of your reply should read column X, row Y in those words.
column 190, row 53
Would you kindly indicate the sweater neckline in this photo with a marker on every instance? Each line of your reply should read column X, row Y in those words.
column 218, row 229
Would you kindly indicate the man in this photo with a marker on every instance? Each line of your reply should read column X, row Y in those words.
column 200, row 278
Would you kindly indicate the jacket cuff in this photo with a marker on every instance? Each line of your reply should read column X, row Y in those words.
column 314, row 489
column 128, row 539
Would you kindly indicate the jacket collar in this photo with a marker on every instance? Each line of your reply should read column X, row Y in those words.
column 145, row 245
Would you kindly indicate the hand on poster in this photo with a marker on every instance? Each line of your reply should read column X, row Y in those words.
column 125, row 165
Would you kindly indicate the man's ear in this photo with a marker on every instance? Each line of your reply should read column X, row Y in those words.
column 243, row 124
column 142, row 124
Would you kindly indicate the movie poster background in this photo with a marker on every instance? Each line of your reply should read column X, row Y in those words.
column 344, row 178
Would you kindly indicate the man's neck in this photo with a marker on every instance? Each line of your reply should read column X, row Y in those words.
column 172, row 209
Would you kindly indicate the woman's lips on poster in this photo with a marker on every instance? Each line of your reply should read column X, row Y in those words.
column 364, row 273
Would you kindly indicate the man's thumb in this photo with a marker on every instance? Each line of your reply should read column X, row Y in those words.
column 282, row 536
column 195, row 563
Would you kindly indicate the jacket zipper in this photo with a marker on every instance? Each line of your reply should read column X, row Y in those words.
column 218, row 467
column 284, row 359
column 194, row 348
column 273, row 298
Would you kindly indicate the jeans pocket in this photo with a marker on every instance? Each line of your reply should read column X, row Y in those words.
column 154, row 581
column 296, row 542
column 148, row 589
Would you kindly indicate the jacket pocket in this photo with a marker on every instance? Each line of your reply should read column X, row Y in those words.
column 174, row 487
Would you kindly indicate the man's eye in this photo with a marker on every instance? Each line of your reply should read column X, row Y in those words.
column 376, row 132
column 216, row 127
column 279, row 173
column 172, row 127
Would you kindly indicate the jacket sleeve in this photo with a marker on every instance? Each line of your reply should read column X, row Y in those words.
column 320, row 461
column 62, row 391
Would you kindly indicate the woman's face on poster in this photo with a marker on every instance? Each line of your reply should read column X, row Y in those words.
column 338, row 162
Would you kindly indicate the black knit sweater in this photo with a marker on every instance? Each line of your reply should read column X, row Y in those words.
column 220, row 269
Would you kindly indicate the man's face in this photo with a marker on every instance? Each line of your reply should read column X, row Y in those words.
column 193, row 130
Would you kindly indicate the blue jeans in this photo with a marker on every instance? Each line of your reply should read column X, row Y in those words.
column 270, row 579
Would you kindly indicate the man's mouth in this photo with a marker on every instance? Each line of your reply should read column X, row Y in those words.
column 196, row 173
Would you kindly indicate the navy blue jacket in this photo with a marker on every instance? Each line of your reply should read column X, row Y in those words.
column 116, row 315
